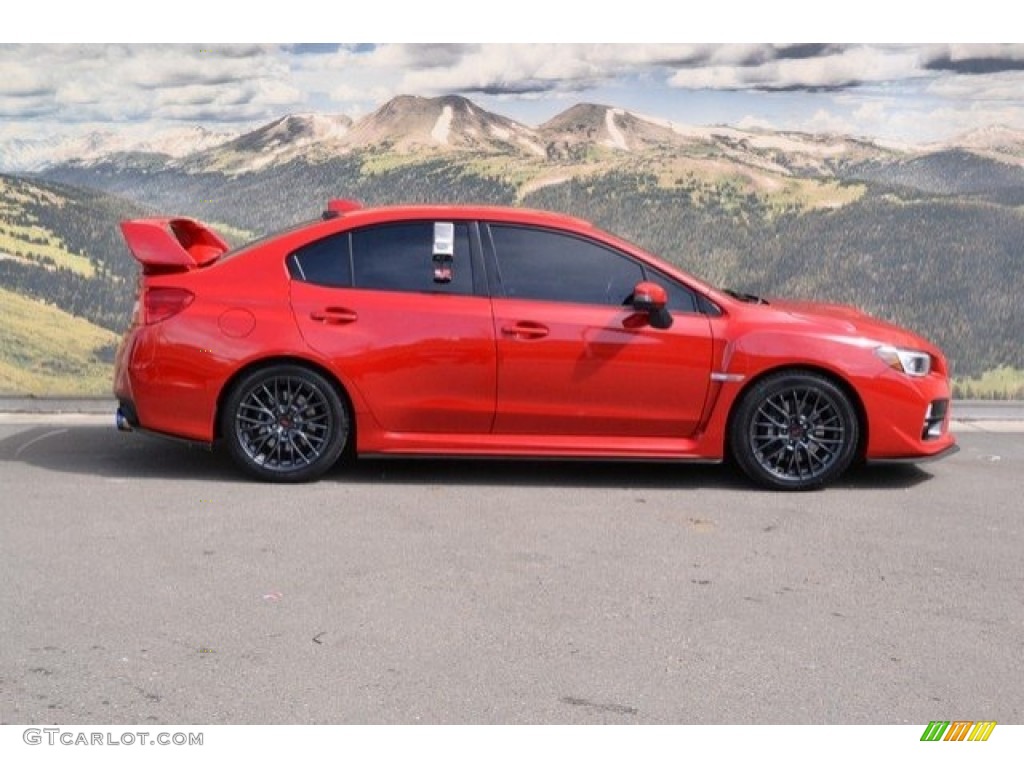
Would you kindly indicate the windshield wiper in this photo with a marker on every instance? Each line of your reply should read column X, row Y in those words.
column 749, row 298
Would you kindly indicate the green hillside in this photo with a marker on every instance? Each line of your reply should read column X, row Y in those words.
column 940, row 258
column 47, row 351
column 1002, row 383
column 67, row 285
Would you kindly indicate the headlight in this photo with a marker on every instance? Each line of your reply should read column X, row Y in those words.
column 908, row 361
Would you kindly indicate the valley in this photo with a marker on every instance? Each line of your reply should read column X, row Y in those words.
column 927, row 237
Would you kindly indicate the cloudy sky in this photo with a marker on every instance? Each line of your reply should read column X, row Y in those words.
column 906, row 93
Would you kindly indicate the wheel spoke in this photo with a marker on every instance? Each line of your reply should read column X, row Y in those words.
column 284, row 423
column 797, row 434
column 783, row 412
column 775, row 422
column 260, row 422
column 305, row 439
column 257, row 445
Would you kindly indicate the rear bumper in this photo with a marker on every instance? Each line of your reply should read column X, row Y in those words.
column 169, row 393
column 126, row 421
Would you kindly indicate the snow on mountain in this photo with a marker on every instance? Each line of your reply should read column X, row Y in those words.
column 88, row 148
column 447, row 123
column 999, row 137
column 284, row 139
column 585, row 125
column 443, row 126
column 182, row 141
column 615, row 136
column 452, row 124
column 996, row 142
column 406, row 124
column 598, row 125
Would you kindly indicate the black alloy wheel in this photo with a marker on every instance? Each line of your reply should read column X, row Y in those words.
column 794, row 431
column 285, row 423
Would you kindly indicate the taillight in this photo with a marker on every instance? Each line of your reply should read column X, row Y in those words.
column 162, row 303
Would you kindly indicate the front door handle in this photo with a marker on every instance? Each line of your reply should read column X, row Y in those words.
column 525, row 330
column 334, row 316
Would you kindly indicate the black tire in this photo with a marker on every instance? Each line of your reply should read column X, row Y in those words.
column 794, row 431
column 285, row 423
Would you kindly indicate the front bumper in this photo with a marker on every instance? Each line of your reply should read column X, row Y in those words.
column 947, row 451
column 908, row 418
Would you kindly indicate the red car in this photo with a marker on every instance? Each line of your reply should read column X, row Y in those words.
column 503, row 332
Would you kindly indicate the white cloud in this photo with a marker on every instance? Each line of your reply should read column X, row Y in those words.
column 755, row 123
column 845, row 68
column 531, row 68
column 1001, row 86
column 129, row 82
column 961, row 53
column 863, row 89
column 823, row 121
column 21, row 80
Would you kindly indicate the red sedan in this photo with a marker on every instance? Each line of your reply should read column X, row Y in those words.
column 503, row 332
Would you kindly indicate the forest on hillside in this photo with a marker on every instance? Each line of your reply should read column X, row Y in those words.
column 947, row 265
column 85, row 223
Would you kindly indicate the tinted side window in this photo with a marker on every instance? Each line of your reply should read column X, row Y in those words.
column 325, row 262
column 400, row 257
column 552, row 266
column 680, row 298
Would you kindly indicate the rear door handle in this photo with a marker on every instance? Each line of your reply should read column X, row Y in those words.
column 334, row 316
column 525, row 330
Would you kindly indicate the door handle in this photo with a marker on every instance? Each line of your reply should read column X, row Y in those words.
column 334, row 316
column 525, row 330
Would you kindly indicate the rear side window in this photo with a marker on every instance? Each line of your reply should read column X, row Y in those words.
column 387, row 257
column 400, row 257
column 325, row 262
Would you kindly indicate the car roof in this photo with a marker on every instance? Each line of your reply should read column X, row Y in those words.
column 463, row 212
column 343, row 215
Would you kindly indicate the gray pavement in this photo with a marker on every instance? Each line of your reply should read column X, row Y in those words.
column 147, row 582
column 56, row 405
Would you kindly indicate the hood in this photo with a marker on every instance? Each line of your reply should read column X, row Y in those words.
column 847, row 319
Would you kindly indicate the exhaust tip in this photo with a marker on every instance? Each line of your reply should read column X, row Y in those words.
column 122, row 421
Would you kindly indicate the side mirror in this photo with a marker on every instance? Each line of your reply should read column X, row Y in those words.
column 652, row 299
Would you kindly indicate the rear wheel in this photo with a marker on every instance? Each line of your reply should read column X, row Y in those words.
column 285, row 423
column 794, row 431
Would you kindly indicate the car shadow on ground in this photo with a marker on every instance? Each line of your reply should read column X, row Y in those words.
column 103, row 452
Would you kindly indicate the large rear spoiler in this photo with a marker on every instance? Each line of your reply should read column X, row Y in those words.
column 172, row 245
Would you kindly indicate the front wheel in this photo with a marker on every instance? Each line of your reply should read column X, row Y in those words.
column 794, row 431
column 285, row 423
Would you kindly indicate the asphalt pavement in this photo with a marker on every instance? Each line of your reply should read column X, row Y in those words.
column 145, row 581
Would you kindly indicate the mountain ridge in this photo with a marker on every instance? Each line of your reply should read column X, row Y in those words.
column 928, row 239
column 410, row 125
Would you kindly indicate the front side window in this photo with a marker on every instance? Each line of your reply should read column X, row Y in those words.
column 546, row 265
column 680, row 298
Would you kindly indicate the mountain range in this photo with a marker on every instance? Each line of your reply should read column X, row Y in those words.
column 411, row 124
column 926, row 236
